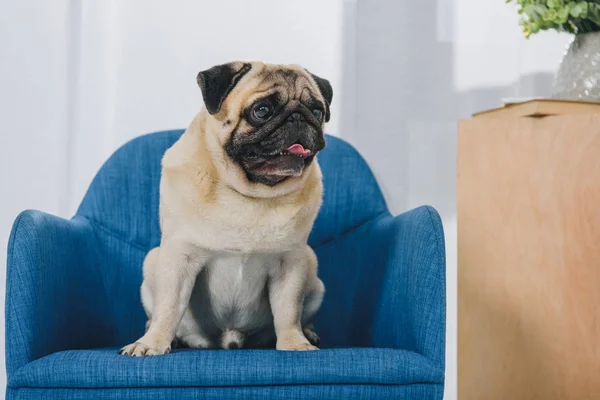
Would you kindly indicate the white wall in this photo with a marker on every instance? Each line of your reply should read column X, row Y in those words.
column 79, row 78
column 33, row 115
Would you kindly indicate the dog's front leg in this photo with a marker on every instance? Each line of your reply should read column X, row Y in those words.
column 177, row 266
column 287, row 287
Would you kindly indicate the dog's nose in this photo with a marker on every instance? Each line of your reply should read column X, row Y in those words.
column 295, row 118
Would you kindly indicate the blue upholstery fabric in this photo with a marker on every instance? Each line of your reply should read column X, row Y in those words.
column 105, row 368
column 73, row 289
column 417, row 391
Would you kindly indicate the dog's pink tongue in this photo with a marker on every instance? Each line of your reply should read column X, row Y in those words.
column 298, row 150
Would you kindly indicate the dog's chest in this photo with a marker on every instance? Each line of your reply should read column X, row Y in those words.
column 242, row 229
column 236, row 285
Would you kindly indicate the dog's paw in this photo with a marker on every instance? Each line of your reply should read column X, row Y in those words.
column 312, row 336
column 138, row 349
column 295, row 343
column 296, row 347
column 195, row 341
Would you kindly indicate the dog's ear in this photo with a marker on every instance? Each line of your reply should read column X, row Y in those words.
column 217, row 82
column 326, row 91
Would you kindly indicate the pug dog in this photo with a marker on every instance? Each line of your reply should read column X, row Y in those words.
column 239, row 194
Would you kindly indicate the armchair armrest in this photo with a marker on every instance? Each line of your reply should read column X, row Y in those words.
column 55, row 298
column 412, row 307
column 395, row 267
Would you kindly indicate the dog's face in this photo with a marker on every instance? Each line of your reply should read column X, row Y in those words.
column 269, row 119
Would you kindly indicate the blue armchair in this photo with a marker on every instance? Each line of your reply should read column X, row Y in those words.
column 73, row 297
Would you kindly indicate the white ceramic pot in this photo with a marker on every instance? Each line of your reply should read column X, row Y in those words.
column 578, row 77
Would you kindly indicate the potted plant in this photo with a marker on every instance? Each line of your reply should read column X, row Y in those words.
column 578, row 76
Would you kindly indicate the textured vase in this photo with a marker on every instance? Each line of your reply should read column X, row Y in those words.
column 578, row 77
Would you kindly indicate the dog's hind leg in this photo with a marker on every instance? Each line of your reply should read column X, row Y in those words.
column 312, row 301
column 190, row 333
column 195, row 341
column 147, row 288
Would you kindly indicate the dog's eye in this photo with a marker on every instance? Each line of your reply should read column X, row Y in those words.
column 318, row 113
column 262, row 111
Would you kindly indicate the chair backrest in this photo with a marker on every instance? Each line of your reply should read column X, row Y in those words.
column 122, row 205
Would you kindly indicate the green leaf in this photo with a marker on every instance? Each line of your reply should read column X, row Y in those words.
column 529, row 10
column 563, row 15
column 551, row 15
column 594, row 13
column 554, row 3
column 579, row 10
column 584, row 9
column 535, row 11
column 574, row 16
column 540, row 9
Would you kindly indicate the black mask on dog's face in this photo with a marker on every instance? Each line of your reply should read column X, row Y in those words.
column 280, row 130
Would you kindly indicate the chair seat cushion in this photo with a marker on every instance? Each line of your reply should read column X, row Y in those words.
column 104, row 368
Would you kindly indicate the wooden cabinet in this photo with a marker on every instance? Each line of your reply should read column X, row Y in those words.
column 529, row 253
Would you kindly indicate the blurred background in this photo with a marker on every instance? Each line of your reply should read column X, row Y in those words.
column 78, row 78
